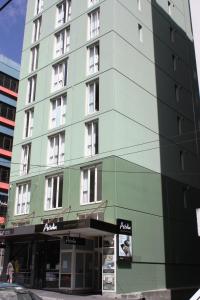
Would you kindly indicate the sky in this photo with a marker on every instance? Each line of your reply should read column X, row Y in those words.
column 12, row 19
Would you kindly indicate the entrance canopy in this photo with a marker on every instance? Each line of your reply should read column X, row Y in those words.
column 83, row 228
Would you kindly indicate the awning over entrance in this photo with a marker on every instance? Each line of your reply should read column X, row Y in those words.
column 84, row 227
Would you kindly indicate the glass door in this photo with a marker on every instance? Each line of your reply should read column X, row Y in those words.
column 66, row 270
column 84, row 270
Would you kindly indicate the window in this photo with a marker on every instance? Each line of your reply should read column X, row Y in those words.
column 28, row 123
column 58, row 111
column 31, row 89
column 39, row 5
column 37, row 29
column 34, row 58
column 59, row 75
column 169, row 7
column 179, row 124
column 94, row 26
column 96, row 216
column 62, row 42
column 54, row 190
column 174, row 61
column 139, row 5
column 4, row 174
column 7, row 111
column 63, row 12
column 25, row 162
column 92, row 138
column 56, row 149
column 172, row 34
column 91, row 184
column 92, row 2
column 182, row 160
column 9, row 82
column 140, row 33
column 177, row 92
column 93, row 59
column 92, row 97
column 6, row 142
column 22, row 204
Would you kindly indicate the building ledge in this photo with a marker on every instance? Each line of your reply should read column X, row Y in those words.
column 8, row 92
column 5, row 152
column 7, row 121
column 4, row 185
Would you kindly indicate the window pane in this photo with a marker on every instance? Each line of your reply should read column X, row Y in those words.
column 60, row 192
column 92, row 185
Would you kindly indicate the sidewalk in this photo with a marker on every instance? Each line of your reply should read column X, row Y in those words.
column 47, row 295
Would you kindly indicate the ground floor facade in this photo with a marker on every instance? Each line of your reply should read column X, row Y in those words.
column 78, row 247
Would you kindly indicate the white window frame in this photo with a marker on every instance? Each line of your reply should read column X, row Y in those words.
column 56, row 149
column 25, row 159
column 36, row 29
column 85, row 186
column 64, row 15
column 57, row 112
column 140, row 33
column 169, row 4
column 172, row 34
column 139, row 5
column 93, row 23
column 92, row 103
column 59, row 75
column 39, row 6
column 28, row 123
column 93, row 59
column 22, row 199
column 34, row 58
column 49, row 192
column 31, row 89
column 92, row 138
column 62, row 42
column 92, row 2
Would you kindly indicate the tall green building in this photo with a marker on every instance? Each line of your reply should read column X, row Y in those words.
column 105, row 168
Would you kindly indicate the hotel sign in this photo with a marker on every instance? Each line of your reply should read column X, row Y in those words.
column 70, row 240
column 124, row 241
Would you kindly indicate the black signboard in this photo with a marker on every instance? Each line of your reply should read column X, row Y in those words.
column 124, row 240
column 70, row 240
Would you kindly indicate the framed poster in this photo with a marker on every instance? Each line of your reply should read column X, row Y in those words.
column 124, row 241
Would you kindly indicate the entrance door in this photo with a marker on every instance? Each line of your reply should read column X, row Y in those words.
column 84, row 270
column 66, row 270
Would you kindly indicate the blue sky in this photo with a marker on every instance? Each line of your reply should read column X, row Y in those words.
column 12, row 19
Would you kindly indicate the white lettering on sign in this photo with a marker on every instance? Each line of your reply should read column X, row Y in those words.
column 49, row 227
column 125, row 226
